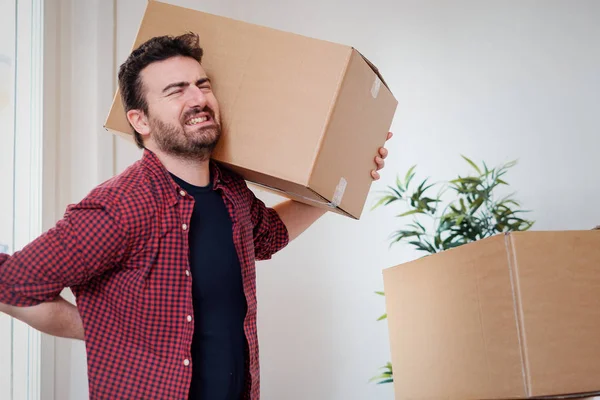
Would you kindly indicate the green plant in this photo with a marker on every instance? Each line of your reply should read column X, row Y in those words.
column 385, row 376
column 472, row 212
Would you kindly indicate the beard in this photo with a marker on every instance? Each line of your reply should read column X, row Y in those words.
column 196, row 144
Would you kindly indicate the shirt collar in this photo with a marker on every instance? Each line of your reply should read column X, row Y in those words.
column 168, row 185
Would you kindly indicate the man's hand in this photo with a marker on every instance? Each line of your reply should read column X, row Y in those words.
column 56, row 318
column 380, row 159
column 297, row 216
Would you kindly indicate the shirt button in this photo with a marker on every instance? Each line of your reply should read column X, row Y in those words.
column 189, row 318
column 186, row 362
column 187, row 272
column 184, row 227
column 182, row 193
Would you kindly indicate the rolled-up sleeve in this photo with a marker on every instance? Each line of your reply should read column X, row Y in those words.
column 86, row 242
column 270, row 233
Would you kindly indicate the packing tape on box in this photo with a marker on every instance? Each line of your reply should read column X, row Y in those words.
column 375, row 88
column 336, row 199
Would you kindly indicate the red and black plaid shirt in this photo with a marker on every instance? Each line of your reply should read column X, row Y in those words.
column 123, row 250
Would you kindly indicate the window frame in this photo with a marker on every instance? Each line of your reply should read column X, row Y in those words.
column 27, row 195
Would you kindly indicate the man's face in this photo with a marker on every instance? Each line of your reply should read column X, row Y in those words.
column 183, row 113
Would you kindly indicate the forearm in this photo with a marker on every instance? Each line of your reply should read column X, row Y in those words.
column 298, row 217
column 57, row 318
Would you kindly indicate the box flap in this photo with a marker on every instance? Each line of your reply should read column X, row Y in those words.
column 375, row 69
column 558, row 278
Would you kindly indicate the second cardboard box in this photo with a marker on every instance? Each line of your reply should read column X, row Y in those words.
column 512, row 316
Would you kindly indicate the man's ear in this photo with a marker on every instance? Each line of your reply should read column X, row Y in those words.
column 139, row 121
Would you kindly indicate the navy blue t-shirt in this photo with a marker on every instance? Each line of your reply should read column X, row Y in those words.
column 219, row 344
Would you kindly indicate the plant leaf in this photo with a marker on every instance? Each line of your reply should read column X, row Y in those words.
column 385, row 200
column 397, row 192
column 510, row 164
column 476, row 204
column 472, row 164
column 411, row 212
column 409, row 175
column 468, row 179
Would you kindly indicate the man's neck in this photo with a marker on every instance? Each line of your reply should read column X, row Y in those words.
column 194, row 172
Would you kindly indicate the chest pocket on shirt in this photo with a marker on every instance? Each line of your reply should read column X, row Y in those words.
column 143, row 262
column 139, row 267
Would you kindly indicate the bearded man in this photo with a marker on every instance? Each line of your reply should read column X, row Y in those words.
column 161, row 258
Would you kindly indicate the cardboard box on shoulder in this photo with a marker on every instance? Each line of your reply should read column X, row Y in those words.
column 302, row 117
column 513, row 316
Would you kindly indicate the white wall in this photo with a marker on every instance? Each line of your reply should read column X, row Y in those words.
column 492, row 80
column 80, row 81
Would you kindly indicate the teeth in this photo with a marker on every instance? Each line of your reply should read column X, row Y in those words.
column 195, row 121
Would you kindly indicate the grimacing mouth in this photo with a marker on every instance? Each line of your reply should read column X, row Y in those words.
column 198, row 119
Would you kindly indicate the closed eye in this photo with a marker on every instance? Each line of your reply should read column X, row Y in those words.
column 203, row 83
column 178, row 87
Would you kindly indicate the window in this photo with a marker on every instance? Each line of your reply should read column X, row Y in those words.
column 21, row 35
column 7, row 113
column 7, row 107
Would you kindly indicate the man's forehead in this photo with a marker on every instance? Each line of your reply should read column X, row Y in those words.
column 176, row 69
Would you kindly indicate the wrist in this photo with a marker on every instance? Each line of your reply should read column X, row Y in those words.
column 56, row 318
column 5, row 308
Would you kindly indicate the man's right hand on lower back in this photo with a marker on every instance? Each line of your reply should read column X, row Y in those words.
column 57, row 318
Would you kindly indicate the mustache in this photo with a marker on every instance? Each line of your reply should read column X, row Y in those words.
column 197, row 110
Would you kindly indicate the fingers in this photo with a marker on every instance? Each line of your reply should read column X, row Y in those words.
column 380, row 159
column 380, row 163
column 383, row 152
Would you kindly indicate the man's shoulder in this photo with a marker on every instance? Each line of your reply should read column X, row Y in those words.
column 131, row 192
column 237, row 185
column 227, row 172
column 123, row 186
column 232, row 178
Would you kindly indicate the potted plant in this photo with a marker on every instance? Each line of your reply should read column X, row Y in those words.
column 464, row 210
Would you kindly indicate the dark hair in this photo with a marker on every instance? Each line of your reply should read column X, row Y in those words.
column 156, row 49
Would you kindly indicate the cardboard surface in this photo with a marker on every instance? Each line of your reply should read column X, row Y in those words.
column 302, row 116
column 511, row 316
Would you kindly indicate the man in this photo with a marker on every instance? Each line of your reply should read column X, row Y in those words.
column 161, row 258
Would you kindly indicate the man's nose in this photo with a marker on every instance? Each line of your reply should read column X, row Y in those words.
column 197, row 98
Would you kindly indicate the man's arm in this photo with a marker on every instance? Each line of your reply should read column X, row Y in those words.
column 297, row 217
column 56, row 317
column 85, row 243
